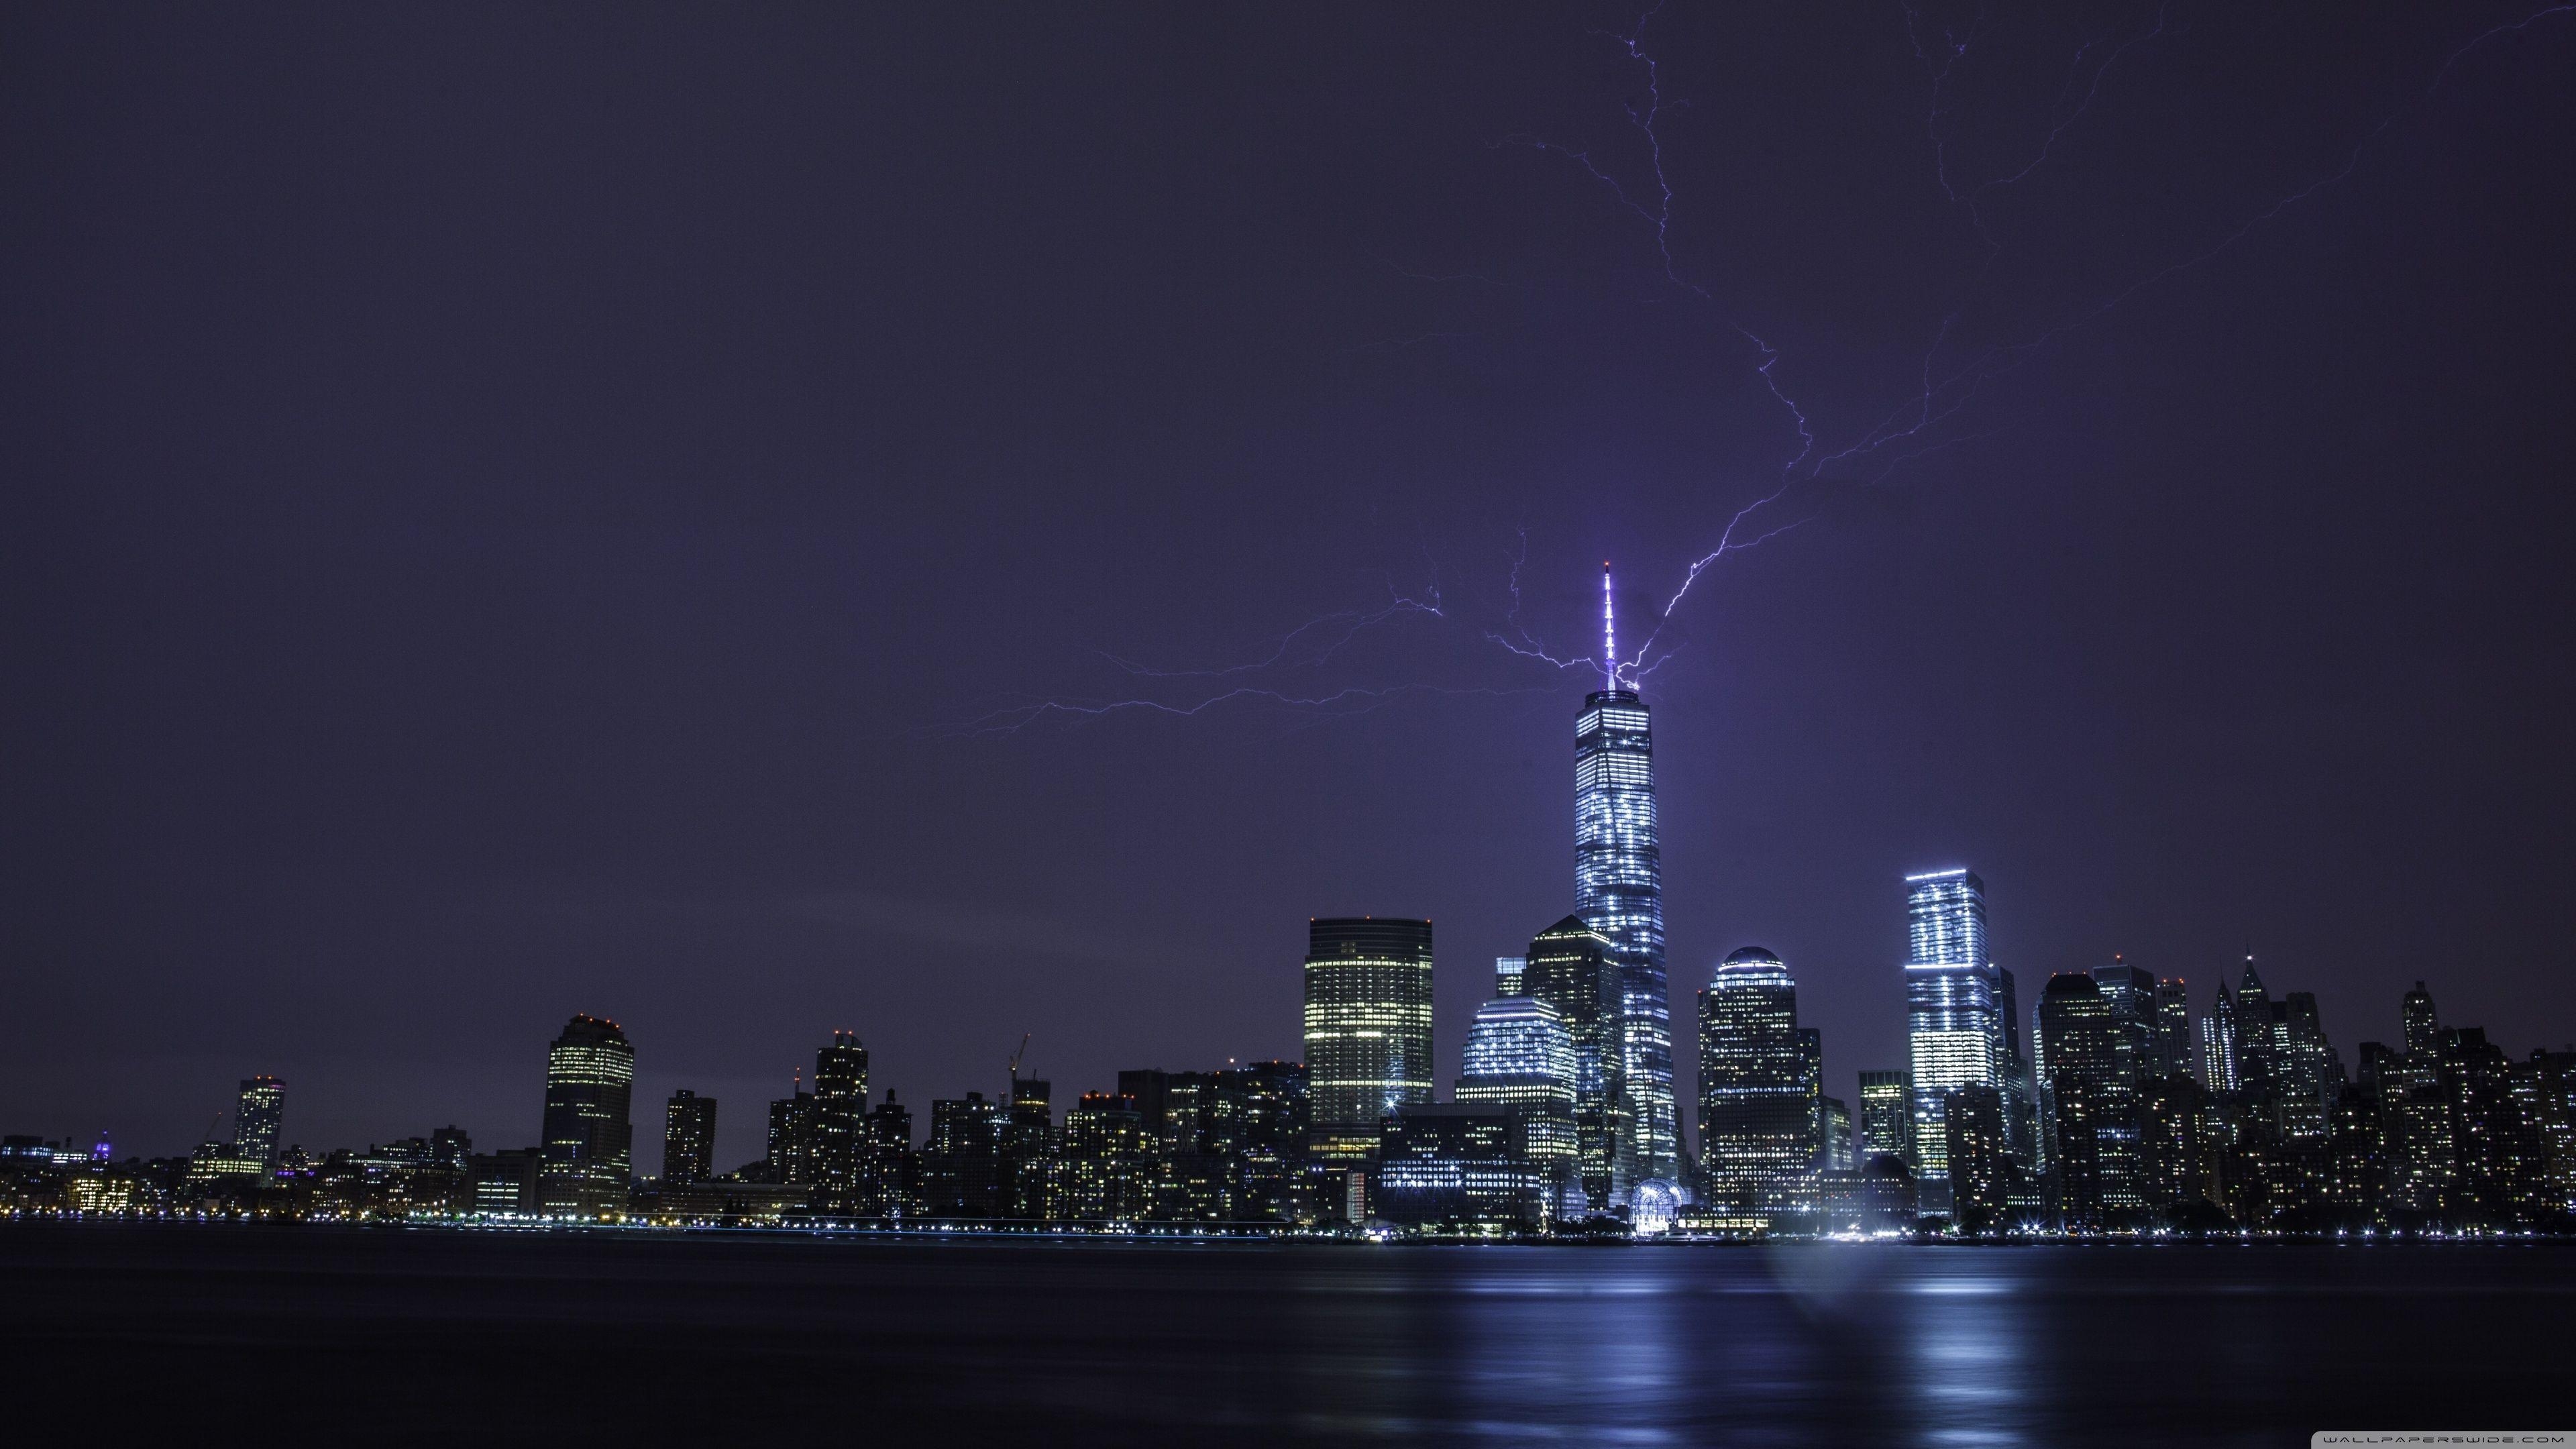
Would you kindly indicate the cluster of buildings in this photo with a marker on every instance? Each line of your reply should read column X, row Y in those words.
column 2108, row 1113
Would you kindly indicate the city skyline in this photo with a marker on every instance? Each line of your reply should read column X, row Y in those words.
column 1948, row 925
column 585, row 606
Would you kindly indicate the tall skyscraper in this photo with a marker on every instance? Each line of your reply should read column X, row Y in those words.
column 2172, row 1056
column 2088, row 1068
column 1954, row 1015
column 257, row 1118
column 2218, row 1044
column 589, row 1135
column 2130, row 993
column 1618, row 888
column 1507, row 975
column 1571, row 967
column 1757, row 1082
column 1368, row 1025
column 688, row 1138
column 839, row 1117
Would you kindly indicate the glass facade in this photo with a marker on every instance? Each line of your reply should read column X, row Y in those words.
column 1570, row 967
column 1368, row 1021
column 1886, row 1114
column 1954, row 1011
column 1618, row 888
column 1519, row 1053
column 1757, row 1082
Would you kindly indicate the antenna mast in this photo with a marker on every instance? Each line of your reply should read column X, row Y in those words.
column 1609, row 634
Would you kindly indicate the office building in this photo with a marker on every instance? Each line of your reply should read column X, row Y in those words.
column 1520, row 1055
column 2130, row 995
column 2218, row 1045
column 1507, row 974
column 1979, row 1159
column 889, row 1170
column 688, row 1138
column 1571, row 967
column 791, row 1157
column 961, row 1163
column 1887, row 1114
column 1757, row 1085
column 1368, row 1026
column 1457, row 1165
column 257, row 1119
column 1954, row 1012
column 2171, row 1056
column 839, row 1119
column 1618, row 888
column 1834, row 1128
column 2088, row 1099
column 589, row 1134
column 1108, row 1159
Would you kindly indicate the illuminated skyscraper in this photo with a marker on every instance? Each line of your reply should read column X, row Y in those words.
column 1954, row 1012
column 688, row 1138
column 589, row 1136
column 1570, row 967
column 840, row 1115
column 256, row 1120
column 1887, row 1114
column 1520, row 1056
column 1368, row 1026
column 1618, row 888
column 1757, row 1083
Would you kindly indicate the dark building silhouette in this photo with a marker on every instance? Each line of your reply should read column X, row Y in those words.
column 1979, row 1154
column 889, row 1170
column 589, row 1134
column 961, row 1164
column 791, row 1158
column 2178, row 1145
column 688, row 1138
column 2172, row 1056
column 1458, row 1165
column 838, row 1119
column 2088, row 1081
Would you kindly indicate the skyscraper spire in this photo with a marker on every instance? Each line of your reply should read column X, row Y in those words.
column 1609, row 634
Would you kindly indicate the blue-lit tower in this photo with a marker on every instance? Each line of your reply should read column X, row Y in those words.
column 1619, row 891
column 1954, row 1011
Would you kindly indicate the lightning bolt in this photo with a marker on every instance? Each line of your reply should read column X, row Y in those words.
column 1912, row 427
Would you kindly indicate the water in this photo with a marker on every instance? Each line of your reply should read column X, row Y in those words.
column 414, row 1337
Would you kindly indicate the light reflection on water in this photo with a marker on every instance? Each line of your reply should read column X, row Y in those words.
column 1246, row 1344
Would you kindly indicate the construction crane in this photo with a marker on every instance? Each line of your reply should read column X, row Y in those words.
column 1015, row 1065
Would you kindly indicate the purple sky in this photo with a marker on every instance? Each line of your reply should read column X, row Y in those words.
column 510, row 510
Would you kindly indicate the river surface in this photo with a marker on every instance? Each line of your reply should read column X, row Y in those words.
column 373, row 1336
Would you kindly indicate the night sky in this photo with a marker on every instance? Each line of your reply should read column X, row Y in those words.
column 521, row 510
